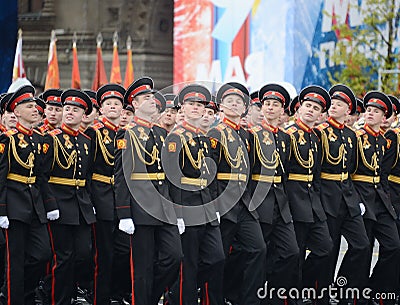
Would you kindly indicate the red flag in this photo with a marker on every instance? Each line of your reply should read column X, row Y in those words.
column 19, row 70
column 129, row 74
column 100, row 77
column 75, row 77
column 115, row 76
column 53, row 75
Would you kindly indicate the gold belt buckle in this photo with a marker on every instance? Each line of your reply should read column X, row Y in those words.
column 159, row 176
column 112, row 179
column 203, row 182
column 241, row 177
column 342, row 176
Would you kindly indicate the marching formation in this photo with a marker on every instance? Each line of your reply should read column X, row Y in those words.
column 135, row 197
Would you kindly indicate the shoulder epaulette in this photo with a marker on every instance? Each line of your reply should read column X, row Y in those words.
column 55, row 132
column 37, row 131
column 85, row 135
column 130, row 125
column 322, row 126
column 11, row 132
column 360, row 132
column 255, row 129
column 43, row 128
column 396, row 130
column 97, row 126
column 291, row 130
column 179, row 130
column 220, row 126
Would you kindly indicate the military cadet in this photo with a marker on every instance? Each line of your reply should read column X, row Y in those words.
column 127, row 115
column 284, row 118
column 68, row 159
column 379, row 217
column 168, row 117
column 230, row 146
column 390, row 169
column 208, row 118
column 187, row 147
column 304, row 196
column 338, row 196
column 53, row 110
column 351, row 119
column 22, row 211
column 89, row 120
column 110, row 98
column 271, row 147
column 40, row 106
column 8, row 118
column 142, row 199
column 255, row 115
column 294, row 106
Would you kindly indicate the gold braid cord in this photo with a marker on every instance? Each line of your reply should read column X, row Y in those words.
column 70, row 158
column 269, row 164
column 139, row 149
column 200, row 156
column 107, row 156
column 308, row 164
column 397, row 150
column 374, row 162
column 329, row 158
column 29, row 161
column 233, row 162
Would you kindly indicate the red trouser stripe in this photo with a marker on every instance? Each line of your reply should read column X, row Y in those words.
column 8, row 270
column 132, row 272
column 181, row 285
column 53, row 269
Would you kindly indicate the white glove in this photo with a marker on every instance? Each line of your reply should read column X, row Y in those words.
column 362, row 208
column 53, row 215
column 126, row 225
column 218, row 217
column 181, row 225
column 94, row 211
column 4, row 222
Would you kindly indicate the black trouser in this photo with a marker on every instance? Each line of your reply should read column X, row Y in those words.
column 284, row 273
column 103, row 236
column 313, row 270
column 247, row 232
column 202, row 266
column 357, row 256
column 121, row 281
column 27, row 252
column 385, row 276
column 72, row 257
column 156, row 254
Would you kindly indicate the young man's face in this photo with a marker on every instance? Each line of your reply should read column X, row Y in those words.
column 72, row 115
column 233, row 106
column 88, row 119
column 193, row 110
column 168, row 117
column 126, row 117
column 272, row 109
column 145, row 103
column 207, row 119
column 374, row 116
column 111, row 108
column 179, row 116
column 27, row 112
column 54, row 114
column 9, row 119
column 309, row 112
column 339, row 109
column 256, row 115
column 387, row 123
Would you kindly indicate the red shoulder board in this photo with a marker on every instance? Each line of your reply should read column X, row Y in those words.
column 360, row 132
column 98, row 125
column 388, row 143
column 220, row 126
column 130, row 125
column 291, row 130
column 11, row 132
column 396, row 130
column 322, row 126
column 179, row 130
column 55, row 132
column 85, row 135
column 43, row 128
